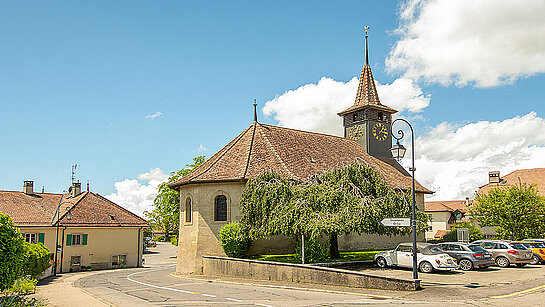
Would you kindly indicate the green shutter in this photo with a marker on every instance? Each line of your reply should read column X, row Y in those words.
column 68, row 240
column 84, row 239
column 41, row 237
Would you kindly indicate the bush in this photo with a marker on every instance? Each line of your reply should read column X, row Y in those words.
column 160, row 239
column 233, row 242
column 314, row 251
column 36, row 259
column 11, row 252
column 452, row 236
column 20, row 300
column 24, row 284
column 174, row 240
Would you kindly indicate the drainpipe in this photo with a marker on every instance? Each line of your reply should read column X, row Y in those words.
column 139, row 246
column 62, row 246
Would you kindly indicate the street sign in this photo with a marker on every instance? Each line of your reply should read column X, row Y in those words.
column 396, row 222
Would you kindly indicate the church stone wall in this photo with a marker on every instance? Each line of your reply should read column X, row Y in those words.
column 200, row 237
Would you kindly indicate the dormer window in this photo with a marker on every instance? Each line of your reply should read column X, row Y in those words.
column 112, row 217
column 380, row 117
column 355, row 117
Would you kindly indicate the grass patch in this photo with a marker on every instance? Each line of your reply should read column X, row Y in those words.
column 358, row 255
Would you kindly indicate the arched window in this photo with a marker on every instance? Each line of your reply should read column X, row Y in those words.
column 188, row 210
column 220, row 208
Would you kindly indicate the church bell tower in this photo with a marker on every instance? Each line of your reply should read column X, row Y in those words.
column 368, row 121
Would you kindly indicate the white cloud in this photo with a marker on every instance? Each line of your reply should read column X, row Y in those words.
column 314, row 107
column 485, row 43
column 201, row 148
column 154, row 116
column 454, row 160
column 135, row 196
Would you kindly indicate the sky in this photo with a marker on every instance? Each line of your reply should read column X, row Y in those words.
column 133, row 90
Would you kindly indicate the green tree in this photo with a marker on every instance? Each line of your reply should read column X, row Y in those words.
column 36, row 259
column 165, row 216
column 452, row 236
column 517, row 211
column 11, row 252
column 352, row 199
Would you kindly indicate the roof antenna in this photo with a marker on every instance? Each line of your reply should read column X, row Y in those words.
column 255, row 111
column 73, row 174
column 366, row 47
column 43, row 188
column 87, row 185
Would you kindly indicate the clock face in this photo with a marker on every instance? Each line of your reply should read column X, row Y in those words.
column 380, row 132
column 355, row 132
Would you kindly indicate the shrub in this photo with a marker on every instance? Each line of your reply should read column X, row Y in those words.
column 452, row 236
column 314, row 251
column 36, row 259
column 174, row 240
column 24, row 284
column 233, row 242
column 20, row 300
column 160, row 238
column 11, row 252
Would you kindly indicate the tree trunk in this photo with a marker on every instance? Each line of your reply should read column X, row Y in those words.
column 334, row 246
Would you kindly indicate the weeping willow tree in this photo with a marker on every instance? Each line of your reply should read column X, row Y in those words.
column 351, row 199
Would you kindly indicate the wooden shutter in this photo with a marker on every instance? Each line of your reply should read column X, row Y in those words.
column 68, row 240
column 84, row 239
column 41, row 237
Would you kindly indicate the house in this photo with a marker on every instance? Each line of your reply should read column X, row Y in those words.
column 89, row 230
column 529, row 176
column 444, row 214
column 210, row 194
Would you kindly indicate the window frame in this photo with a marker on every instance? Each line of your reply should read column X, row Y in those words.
column 188, row 210
column 118, row 261
column 216, row 206
column 30, row 234
column 80, row 236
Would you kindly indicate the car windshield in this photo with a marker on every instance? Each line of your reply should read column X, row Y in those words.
column 476, row 248
column 518, row 246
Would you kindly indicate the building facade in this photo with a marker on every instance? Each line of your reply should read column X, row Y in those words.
column 90, row 231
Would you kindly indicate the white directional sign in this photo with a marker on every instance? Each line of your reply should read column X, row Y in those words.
column 396, row 222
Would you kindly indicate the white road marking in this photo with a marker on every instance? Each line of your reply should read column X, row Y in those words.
column 258, row 304
column 209, row 295
column 232, row 299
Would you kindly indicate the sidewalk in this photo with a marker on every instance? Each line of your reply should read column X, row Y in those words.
column 60, row 291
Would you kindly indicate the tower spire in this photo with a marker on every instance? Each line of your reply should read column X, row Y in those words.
column 255, row 111
column 366, row 47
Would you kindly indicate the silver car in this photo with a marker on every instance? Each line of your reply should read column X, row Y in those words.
column 429, row 256
column 506, row 253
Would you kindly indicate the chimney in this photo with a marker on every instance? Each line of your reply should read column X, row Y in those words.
column 494, row 177
column 75, row 189
column 467, row 201
column 28, row 187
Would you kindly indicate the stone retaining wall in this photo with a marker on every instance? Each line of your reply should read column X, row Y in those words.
column 287, row 272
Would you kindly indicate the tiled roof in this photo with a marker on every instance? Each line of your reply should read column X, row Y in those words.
column 446, row 206
column 293, row 153
column 87, row 209
column 367, row 95
column 528, row 176
column 440, row 233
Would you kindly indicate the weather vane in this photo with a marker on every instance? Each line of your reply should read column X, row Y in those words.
column 366, row 28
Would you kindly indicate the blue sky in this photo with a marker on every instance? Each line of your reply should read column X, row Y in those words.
column 78, row 78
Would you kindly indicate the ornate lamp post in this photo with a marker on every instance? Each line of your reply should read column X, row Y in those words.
column 398, row 152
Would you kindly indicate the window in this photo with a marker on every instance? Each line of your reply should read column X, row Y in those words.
column 454, row 248
column 76, row 239
column 501, row 246
column 188, row 210
column 405, row 249
column 220, row 208
column 119, row 260
column 354, row 117
column 31, row 237
column 489, row 245
column 380, row 116
column 75, row 260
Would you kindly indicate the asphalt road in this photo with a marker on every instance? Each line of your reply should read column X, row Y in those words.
column 156, row 286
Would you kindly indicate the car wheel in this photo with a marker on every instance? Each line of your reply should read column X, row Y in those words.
column 381, row 262
column 426, row 267
column 465, row 264
column 536, row 259
column 502, row 262
column 521, row 264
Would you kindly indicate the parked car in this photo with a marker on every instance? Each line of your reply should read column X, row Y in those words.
column 429, row 256
column 535, row 240
column 150, row 243
column 468, row 256
column 506, row 253
column 538, row 250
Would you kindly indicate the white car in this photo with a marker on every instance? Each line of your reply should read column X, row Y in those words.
column 430, row 257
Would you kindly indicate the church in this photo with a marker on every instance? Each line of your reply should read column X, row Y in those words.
column 209, row 195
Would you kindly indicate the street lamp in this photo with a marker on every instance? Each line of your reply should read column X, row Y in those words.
column 398, row 152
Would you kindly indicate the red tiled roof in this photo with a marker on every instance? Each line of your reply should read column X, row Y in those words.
column 87, row 209
column 367, row 95
column 529, row 176
column 293, row 153
column 446, row 206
